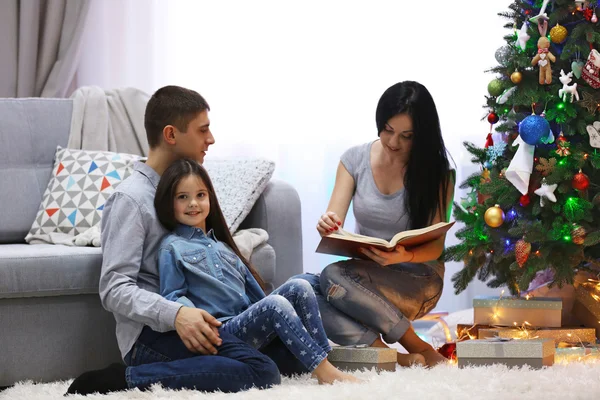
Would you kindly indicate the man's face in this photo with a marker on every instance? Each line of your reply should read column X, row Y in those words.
column 194, row 142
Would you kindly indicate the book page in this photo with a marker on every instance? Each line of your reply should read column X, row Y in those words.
column 416, row 232
column 361, row 238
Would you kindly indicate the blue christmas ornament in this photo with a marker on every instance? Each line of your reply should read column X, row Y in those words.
column 487, row 165
column 533, row 129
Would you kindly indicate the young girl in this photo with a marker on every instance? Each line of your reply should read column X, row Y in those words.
column 200, row 266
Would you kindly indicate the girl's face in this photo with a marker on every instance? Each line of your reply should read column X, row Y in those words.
column 397, row 136
column 191, row 203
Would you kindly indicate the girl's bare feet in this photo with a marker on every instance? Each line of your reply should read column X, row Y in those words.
column 327, row 374
column 408, row 360
column 433, row 358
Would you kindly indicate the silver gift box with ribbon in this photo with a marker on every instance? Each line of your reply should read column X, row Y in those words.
column 358, row 357
column 536, row 353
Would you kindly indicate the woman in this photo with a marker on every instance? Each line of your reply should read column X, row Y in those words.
column 401, row 181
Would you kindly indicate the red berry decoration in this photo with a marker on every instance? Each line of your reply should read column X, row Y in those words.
column 522, row 250
column 524, row 200
column 588, row 13
column 493, row 118
column 580, row 181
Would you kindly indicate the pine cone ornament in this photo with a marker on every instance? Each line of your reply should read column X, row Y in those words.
column 578, row 234
column 522, row 250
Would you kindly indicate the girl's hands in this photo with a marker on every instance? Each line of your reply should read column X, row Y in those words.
column 397, row 256
column 328, row 223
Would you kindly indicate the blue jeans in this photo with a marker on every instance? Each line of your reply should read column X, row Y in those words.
column 291, row 313
column 163, row 358
column 359, row 300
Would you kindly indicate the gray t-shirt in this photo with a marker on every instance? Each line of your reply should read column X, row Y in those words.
column 377, row 214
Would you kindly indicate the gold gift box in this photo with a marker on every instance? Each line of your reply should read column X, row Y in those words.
column 587, row 306
column 572, row 335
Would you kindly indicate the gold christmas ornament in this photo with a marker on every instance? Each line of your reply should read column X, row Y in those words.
column 578, row 234
column 558, row 34
column 494, row 216
column 516, row 77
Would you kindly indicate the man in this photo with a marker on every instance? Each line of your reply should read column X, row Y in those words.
column 162, row 341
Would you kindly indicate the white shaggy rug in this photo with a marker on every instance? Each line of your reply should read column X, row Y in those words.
column 572, row 381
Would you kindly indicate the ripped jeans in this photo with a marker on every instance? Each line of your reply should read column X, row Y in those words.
column 359, row 300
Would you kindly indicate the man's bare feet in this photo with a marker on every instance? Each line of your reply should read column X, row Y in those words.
column 408, row 360
column 327, row 374
column 433, row 358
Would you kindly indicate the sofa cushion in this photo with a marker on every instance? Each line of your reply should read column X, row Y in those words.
column 81, row 182
column 30, row 130
column 48, row 270
column 39, row 270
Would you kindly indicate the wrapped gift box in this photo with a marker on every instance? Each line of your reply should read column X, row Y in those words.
column 587, row 306
column 574, row 335
column 576, row 353
column 535, row 311
column 469, row 331
column 536, row 353
column 352, row 358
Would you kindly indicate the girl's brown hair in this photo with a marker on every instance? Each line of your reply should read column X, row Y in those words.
column 165, row 198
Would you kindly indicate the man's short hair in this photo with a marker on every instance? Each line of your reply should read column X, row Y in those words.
column 171, row 105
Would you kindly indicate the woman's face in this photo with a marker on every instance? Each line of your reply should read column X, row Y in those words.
column 191, row 202
column 397, row 136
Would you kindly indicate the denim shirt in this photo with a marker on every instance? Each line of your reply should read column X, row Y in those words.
column 199, row 271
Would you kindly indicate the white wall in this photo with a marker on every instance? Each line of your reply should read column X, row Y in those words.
column 298, row 81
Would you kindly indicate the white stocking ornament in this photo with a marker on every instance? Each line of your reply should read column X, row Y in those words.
column 594, row 134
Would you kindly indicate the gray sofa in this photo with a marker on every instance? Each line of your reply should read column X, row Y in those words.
column 52, row 325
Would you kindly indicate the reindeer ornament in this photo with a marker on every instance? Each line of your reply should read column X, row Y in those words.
column 567, row 90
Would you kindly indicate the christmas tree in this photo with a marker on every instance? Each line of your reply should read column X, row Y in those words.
column 535, row 204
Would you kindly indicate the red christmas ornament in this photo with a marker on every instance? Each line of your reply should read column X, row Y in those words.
column 580, row 181
column 489, row 141
column 588, row 13
column 493, row 118
column 522, row 250
column 524, row 200
column 448, row 350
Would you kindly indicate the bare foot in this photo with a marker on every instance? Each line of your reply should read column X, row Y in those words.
column 408, row 360
column 327, row 374
column 433, row 358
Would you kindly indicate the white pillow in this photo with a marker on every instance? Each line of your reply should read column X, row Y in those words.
column 238, row 183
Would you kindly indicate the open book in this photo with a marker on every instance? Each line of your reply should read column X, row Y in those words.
column 344, row 243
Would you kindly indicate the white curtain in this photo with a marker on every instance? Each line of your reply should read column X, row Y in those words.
column 298, row 81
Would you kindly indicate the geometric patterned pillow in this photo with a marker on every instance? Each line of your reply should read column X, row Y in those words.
column 81, row 182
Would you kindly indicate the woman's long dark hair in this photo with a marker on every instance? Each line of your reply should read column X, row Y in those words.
column 428, row 170
column 164, row 202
